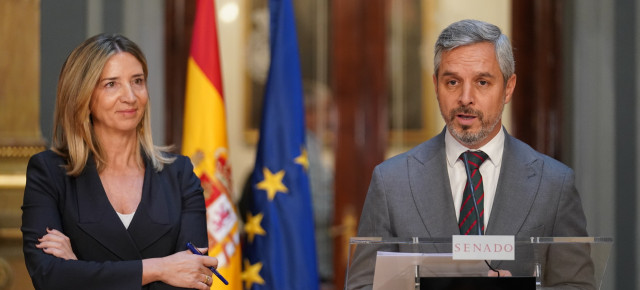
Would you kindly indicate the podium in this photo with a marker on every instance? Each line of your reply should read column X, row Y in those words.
column 428, row 263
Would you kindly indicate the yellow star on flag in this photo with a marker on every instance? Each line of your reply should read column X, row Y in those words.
column 251, row 274
column 253, row 227
column 272, row 183
column 303, row 159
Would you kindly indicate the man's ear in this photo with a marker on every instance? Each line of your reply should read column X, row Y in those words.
column 435, row 83
column 511, row 85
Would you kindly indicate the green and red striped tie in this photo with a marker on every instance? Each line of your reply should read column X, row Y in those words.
column 468, row 221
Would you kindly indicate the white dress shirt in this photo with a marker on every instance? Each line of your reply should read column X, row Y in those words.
column 490, row 170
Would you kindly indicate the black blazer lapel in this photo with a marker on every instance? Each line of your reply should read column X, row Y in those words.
column 98, row 219
column 152, row 218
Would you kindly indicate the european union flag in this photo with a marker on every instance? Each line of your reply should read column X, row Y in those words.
column 280, row 243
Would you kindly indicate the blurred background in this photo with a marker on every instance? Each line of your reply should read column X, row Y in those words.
column 366, row 67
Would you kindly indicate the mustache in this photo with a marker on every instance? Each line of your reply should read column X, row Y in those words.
column 466, row 111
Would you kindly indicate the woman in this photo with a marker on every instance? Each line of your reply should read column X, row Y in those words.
column 105, row 208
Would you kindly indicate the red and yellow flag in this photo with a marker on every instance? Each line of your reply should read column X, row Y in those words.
column 205, row 142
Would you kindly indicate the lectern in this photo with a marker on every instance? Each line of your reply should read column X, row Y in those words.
column 428, row 263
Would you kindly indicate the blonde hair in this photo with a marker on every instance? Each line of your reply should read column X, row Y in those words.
column 73, row 135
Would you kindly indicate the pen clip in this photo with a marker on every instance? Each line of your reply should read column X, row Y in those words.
column 194, row 249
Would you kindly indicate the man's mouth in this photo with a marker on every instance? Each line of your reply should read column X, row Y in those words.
column 466, row 117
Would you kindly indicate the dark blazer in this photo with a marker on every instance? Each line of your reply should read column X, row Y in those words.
column 410, row 196
column 171, row 213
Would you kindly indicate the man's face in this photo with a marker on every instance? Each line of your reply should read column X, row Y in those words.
column 471, row 93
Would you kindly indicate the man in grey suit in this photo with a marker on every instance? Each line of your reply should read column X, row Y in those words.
column 420, row 193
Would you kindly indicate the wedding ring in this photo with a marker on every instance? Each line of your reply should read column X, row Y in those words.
column 208, row 280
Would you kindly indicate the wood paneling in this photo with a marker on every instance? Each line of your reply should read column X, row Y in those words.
column 179, row 17
column 359, row 82
column 537, row 102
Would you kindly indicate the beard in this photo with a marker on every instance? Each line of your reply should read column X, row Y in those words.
column 463, row 133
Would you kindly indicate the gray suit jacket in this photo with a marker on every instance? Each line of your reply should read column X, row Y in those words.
column 410, row 196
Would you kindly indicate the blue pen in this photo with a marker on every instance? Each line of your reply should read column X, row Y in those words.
column 197, row 252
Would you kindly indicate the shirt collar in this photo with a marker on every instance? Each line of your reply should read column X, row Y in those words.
column 494, row 148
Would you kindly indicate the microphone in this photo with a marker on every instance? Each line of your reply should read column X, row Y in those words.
column 475, row 203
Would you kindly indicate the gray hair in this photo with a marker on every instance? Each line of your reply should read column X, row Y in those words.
column 466, row 32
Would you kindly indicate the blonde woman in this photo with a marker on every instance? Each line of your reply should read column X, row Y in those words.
column 105, row 208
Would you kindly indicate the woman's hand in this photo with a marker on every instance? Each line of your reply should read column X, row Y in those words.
column 57, row 244
column 182, row 269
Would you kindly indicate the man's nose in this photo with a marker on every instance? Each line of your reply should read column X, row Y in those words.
column 466, row 95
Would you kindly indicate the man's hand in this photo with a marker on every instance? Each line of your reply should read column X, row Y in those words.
column 503, row 273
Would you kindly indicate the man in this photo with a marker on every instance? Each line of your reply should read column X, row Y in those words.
column 420, row 193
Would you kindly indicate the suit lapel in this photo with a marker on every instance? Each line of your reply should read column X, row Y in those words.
column 520, row 177
column 151, row 220
column 98, row 219
column 431, row 190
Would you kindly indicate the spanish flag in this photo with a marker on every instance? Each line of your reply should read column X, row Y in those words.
column 205, row 142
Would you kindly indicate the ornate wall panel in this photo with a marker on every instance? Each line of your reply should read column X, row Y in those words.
column 20, row 135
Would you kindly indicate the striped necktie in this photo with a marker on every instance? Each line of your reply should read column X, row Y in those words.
column 469, row 220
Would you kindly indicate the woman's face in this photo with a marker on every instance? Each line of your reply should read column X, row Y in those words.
column 119, row 99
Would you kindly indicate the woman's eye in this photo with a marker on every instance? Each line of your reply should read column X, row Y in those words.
column 110, row 84
column 138, row 81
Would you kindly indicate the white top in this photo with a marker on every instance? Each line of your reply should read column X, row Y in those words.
column 126, row 218
column 490, row 170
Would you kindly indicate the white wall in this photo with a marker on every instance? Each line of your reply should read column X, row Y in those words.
column 593, row 99
column 232, row 40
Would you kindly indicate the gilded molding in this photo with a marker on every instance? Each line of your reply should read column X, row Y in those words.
column 10, row 234
column 13, row 180
column 19, row 151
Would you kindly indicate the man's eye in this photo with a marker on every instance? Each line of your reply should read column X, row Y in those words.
column 452, row 82
column 483, row 83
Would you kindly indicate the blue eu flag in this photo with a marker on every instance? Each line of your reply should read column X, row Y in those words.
column 280, row 250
